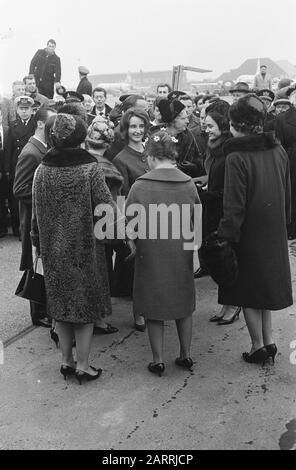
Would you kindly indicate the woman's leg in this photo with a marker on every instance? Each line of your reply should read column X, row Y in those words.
column 66, row 333
column 184, row 328
column 254, row 323
column 83, row 337
column 156, row 334
column 267, row 327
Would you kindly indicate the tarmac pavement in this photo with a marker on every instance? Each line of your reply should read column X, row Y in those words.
column 223, row 404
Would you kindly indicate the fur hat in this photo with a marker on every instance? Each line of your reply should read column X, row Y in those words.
column 169, row 110
column 68, row 131
column 100, row 133
column 248, row 114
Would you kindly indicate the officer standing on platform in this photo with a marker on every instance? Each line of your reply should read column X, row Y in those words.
column 85, row 86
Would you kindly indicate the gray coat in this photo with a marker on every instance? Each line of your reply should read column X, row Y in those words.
column 68, row 185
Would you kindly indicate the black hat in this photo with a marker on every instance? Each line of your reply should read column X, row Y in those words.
column 266, row 94
column 169, row 110
column 248, row 112
column 175, row 94
column 282, row 101
column 291, row 89
column 73, row 97
column 240, row 86
column 68, row 130
column 122, row 98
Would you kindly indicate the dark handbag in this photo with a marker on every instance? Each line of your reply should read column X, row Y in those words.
column 32, row 286
column 220, row 260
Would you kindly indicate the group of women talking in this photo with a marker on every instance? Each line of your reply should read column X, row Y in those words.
column 246, row 200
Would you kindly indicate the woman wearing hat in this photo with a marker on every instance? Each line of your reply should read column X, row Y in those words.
column 132, row 163
column 163, row 284
column 256, row 210
column 68, row 185
column 175, row 117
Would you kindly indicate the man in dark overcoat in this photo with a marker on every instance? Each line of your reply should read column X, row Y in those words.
column 19, row 133
column 46, row 67
column 29, row 159
column 3, row 182
column 84, row 87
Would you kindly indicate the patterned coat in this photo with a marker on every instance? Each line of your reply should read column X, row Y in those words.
column 67, row 187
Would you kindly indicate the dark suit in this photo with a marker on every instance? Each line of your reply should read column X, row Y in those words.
column 47, row 70
column 18, row 136
column 3, row 183
column 84, row 87
column 29, row 159
column 108, row 110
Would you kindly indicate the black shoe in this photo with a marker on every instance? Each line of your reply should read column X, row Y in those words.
column 42, row 322
column 235, row 316
column 216, row 318
column 257, row 357
column 109, row 329
column 81, row 375
column 156, row 368
column 271, row 351
column 200, row 272
column 67, row 370
column 186, row 363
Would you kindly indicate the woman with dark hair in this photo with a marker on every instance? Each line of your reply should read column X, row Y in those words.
column 68, row 185
column 163, row 284
column 256, row 210
column 132, row 163
column 174, row 116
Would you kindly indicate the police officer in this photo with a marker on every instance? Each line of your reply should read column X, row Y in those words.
column 19, row 133
column 85, row 86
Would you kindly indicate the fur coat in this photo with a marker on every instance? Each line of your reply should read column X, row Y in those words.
column 256, row 209
column 67, row 187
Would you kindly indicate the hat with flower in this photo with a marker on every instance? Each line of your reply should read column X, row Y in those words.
column 100, row 133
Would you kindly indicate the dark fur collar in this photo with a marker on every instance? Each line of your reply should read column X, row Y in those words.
column 67, row 157
column 251, row 143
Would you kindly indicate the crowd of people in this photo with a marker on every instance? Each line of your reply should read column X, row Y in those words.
column 63, row 153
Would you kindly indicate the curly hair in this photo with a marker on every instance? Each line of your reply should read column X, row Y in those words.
column 161, row 146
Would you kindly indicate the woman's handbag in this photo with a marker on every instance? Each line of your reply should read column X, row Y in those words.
column 220, row 260
column 32, row 286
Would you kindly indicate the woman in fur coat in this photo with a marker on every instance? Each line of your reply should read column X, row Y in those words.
column 68, row 185
column 256, row 211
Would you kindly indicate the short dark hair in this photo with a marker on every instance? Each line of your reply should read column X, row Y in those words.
column 161, row 146
column 47, row 130
column 125, row 121
column 130, row 102
column 209, row 97
column 51, row 41
column 98, row 88
column 28, row 77
column 41, row 114
column 263, row 66
column 163, row 85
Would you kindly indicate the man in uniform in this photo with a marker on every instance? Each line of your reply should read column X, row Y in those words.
column 84, row 87
column 19, row 133
column 46, row 67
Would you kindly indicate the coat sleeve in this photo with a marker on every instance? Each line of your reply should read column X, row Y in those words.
column 34, row 63
column 234, row 200
column 288, row 194
column 58, row 72
column 34, row 225
column 24, row 174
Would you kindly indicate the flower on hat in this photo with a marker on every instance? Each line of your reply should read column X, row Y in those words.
column 174, row 140
column 156, row 138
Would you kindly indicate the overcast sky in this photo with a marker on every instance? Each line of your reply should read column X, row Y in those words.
column 129, row 35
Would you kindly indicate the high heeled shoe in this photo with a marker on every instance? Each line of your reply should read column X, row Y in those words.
column 81, row 375
column 257, row 357
column 156, row 368
column 54, row 336
column 234, row 317
column 271, row 351
column 67, row 370
column 186, row 363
